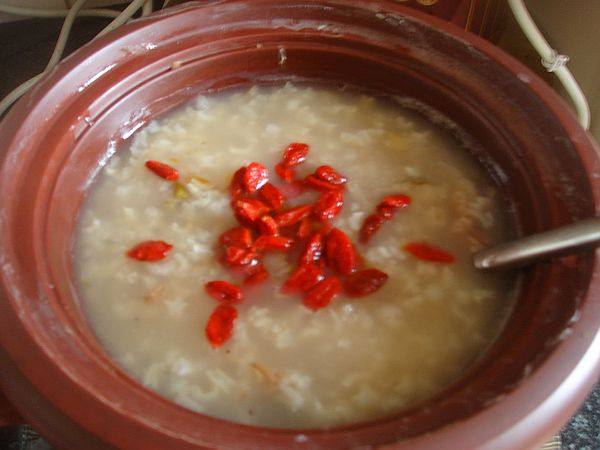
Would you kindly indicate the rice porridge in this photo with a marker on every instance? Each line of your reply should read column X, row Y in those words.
column 299, row 358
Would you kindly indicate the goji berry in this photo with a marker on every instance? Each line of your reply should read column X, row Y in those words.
column 235, row 256
column 321, row 185
column 224, row 291
column 329, row 205
column 255, row 177
column 427, row 252
column 313, row 250
column 340, row 252
column 325, row 227
column 295, row 154
column 287, row 174
column 219, row 327
column 371, row 224
column 293, row 215
column 364, row 282
column 271, row 196
column 329, row 174
column 267, row 226
column 385, row 212
column 396, row 201
column 303, row 278
column 273, row 243
column 257, row 275
column 249, row 209
column 163, row 170
column 236, row 187
column 150, row 251
column 323, row 293
column 304, row 229
column 237, row 237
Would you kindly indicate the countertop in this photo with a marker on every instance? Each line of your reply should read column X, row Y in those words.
column 25, row 47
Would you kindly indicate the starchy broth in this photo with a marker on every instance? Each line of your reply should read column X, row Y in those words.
column 287, row 366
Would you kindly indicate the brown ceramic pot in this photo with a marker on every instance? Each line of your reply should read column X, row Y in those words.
column 58, row 136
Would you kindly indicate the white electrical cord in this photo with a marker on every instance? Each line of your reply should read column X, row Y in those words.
column 125, row 15
column 76, row 10
column 56, row 54
column 41, row 12
column 147, row 8
column 552, row 60
column 65, row 30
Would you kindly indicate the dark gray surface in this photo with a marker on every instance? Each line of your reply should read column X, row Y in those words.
column 583, row 431
column 25, row 47
column 21, row 438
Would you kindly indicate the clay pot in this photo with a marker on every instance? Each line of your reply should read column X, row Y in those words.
column 59, row 135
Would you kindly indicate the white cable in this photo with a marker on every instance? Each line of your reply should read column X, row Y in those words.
column 552, row 61
column 125, row 15
column 16, row 93
column 147, row 8
column 72, row 13
column 65, row 30
column 56, row 54
column 41, row 12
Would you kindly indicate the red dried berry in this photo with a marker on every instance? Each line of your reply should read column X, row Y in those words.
column 236, row 187
column 329, row 174
column 325, row 227
column 257, row 275
column 370, row 226
column 340, row 252
column 271, row 196
column 163, row 170
column 287, row 174
column 313, row 250
column 293, row 215
column 255, row 177
column 295, row 154
column 427, row 252
column 364, row 282
column 150, row 251
column 304, row 229
column 273, row 243
column 303, row 278
column 267, row 226
column 219, row 327
column 249, row 209
column 396, row 201
column 224, row 291
column 386, row 209
column 235, row 256
column 321, row 185
column 323, row 293
column 329, row 205
column 237, row 237
column 385, row 212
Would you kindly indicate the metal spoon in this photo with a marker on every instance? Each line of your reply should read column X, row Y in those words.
column 565, row 240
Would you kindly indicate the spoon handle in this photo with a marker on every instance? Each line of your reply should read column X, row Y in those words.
column 540, row 246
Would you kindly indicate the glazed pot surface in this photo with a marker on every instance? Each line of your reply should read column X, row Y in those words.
column 58, row 137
